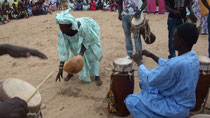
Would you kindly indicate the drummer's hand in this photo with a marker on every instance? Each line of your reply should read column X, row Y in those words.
column 17, row 52
column 137, row 14
column 146, row 53
column 193, row 17
column 138, row 58
column 13, row 108
column 120, row 17
column 59, row 75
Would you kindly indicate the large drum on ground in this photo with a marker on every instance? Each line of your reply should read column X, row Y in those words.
column 13, row 87
column 122, row 84
column 142, row 27
column 202, row 88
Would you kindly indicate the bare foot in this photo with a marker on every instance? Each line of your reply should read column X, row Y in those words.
column 98, row 81
column 68, row 77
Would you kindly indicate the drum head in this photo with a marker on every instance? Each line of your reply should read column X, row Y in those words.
column 204, row 59
column 137, row 21
column 123, row 61
column 123, row 65
column 204, row 63
column 13, row 87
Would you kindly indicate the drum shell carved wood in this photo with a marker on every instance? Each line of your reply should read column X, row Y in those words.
column 123, row 85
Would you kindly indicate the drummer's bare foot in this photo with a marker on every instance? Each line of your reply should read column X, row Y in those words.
column 98, row 81
column 68, row 77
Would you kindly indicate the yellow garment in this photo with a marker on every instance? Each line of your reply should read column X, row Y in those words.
column 16, row 3
column 64, row 4
column 204, row 10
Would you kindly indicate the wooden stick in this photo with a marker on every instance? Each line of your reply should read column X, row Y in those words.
column 39, row 87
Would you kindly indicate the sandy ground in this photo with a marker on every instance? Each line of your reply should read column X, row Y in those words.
column 76, row 99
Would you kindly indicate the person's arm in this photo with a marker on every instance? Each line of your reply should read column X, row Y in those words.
column 137, row 58
column 14, row 108
column 158, row 77
column 3, row 49
column 144, row 5
column 206, row 4
column 82, row 50
column 63, row 54
column 192, row 15
column 17, row 51
column 167, row 6
column 120, row 9
column 138, row 13
column 151, row 55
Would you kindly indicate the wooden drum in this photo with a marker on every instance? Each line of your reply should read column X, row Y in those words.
column 202, row 88
column 13, row 87
column 122, row 83
column 142, row 26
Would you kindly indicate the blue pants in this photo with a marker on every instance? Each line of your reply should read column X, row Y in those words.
column 173, row 23
column 126, row 24
column 208, row 21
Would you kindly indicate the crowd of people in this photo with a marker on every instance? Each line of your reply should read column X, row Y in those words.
column 25, row 9
column 22, row 9
column 107, row 5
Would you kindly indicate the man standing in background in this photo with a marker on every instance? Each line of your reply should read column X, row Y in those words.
column 127, row 10
column 176, row 17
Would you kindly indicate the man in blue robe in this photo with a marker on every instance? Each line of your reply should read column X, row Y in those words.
column 168, row 90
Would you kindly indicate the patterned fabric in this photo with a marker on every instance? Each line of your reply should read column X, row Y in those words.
column 130, row 7
column 203, row 19
column 167, row 90
column 179, row 3
column 111, row 99
column 88, row 35
column 66, row 18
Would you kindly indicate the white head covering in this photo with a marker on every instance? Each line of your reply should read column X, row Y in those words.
column 66, row 18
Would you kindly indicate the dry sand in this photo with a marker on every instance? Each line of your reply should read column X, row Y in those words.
column 76, row 99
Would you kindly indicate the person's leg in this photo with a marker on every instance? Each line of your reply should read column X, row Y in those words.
column 133, row 103
column 161, row 4
column 94, row 69
column 172, row 25
column 84, row 74
column 137, row 39
column 208, row 20
column 126, row 27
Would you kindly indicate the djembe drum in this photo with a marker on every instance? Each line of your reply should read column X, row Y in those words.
column 142, row 27
column 122, row 84
column 202, row 88
column 13, row 87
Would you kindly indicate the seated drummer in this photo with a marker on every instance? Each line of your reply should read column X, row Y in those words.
column 168, row 90
column 16, row 107
column 79, row 36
